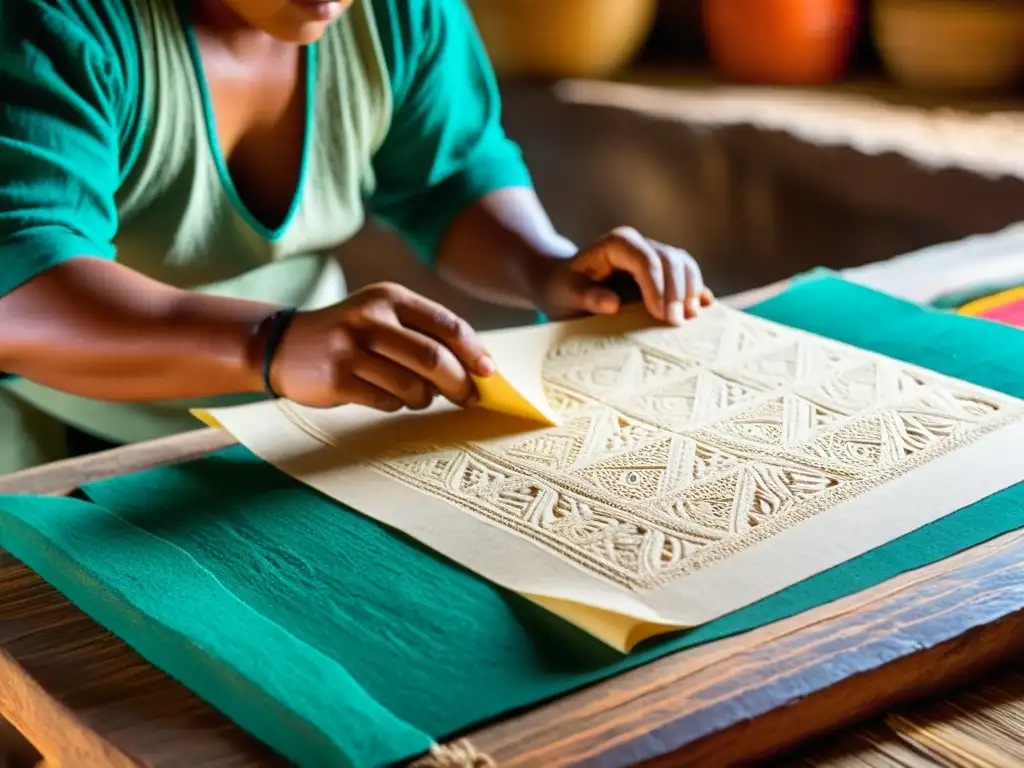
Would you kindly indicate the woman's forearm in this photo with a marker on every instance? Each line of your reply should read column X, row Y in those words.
column 97, row 329
column 500, row 249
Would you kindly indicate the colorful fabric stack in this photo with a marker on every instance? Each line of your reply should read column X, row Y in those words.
column 1006, row 307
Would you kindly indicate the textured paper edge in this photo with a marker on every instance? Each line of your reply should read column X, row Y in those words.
column 616, row 615
column 517, row 389
column 940, row 487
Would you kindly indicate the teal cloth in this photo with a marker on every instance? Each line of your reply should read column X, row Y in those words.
column 340, row 642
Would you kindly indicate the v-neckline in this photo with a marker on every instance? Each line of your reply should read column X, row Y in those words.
column 210, row 125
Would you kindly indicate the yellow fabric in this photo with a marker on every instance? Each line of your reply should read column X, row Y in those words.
column 980, row 306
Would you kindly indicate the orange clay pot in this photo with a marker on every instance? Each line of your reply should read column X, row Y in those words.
column 781, row 42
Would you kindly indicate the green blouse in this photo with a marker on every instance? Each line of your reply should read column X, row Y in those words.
column 108, row 148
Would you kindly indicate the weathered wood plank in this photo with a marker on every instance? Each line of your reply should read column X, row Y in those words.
column 83, row 698
column 62, row 477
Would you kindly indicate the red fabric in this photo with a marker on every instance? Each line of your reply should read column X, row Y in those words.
column 1008, row 314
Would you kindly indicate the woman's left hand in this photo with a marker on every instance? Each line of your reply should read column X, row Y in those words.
column 669, row 279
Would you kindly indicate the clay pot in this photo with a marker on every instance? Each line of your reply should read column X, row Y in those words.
column 951, row 44
column 563, row 38
column 780, row 42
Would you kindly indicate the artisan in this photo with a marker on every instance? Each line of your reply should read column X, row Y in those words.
column 176, row 179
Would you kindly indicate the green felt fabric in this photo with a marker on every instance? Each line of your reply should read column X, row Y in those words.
column 340, row 642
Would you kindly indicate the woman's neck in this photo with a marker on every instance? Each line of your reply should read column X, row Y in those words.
column 216, row 19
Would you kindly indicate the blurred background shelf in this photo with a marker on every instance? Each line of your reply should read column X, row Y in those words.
column 946, row 47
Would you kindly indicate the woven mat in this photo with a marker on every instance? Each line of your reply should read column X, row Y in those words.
column 982, row 727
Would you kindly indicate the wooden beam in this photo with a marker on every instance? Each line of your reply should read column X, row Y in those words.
column 62, row 477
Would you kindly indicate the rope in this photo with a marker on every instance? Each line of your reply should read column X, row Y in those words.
column 458, row 754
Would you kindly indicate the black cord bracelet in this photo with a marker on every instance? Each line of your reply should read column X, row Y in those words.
column 274, row 328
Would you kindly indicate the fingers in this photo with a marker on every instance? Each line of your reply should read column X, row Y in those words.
column 412, row 348
column 685, row 293
column 425, row 357
column 626, row 250
column 600, row 301
column 392, row 379
column 670, row 281
column 676, row 289
column 359, row 392
column 582, row 295
column 421, row 314
column 694, row 285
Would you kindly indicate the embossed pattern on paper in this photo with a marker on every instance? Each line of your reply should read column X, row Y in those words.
column 681, row 447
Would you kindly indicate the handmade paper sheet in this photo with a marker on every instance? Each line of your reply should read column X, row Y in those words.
column 683, row 472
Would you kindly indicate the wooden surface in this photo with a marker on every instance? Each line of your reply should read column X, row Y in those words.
column 84, row 699
column 62, row 477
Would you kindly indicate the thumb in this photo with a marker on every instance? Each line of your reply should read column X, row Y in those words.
column 577, row 293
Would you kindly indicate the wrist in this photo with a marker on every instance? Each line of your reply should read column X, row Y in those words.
column 266, row 339
column 227, row 338
column 541, row 268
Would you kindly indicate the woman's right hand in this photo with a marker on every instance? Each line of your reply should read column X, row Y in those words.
column 384, row 347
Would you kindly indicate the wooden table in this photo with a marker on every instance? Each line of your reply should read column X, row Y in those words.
column 84, row 699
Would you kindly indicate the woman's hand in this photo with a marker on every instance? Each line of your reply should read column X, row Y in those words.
column 669, row 279
column 384, row 347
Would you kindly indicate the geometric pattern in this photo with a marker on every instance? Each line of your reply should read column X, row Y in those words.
column 680, row 447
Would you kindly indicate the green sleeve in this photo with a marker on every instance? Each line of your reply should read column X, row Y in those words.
column 446, row 147
column 67, row 70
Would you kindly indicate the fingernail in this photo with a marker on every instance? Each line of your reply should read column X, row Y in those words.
column 472, row 400
column 675, row 313
column 485, row 366
column 691, row 307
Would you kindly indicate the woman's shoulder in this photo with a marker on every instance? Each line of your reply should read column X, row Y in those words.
column 412, row 31
column 413, row 22
column 99, row 30
column 103, row 22
column 81, row 61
